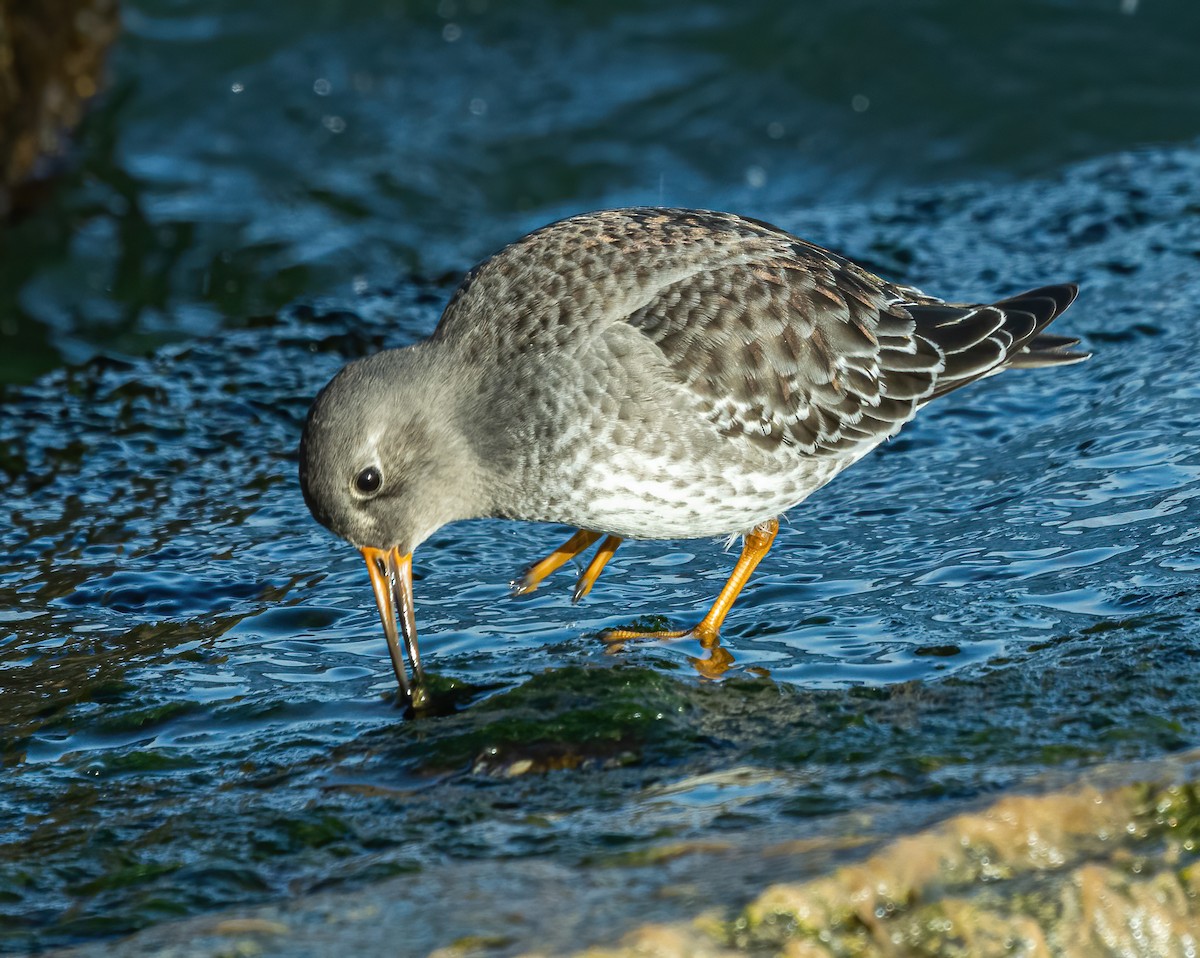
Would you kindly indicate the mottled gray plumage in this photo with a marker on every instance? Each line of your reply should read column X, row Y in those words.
column 648, row 373
column 652, row 373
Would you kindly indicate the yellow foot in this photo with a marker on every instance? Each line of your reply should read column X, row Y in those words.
column 706, row 637
column 716, row 664
column 758, row 540
column 711, row 666
column 563, row 554
column 588, row 577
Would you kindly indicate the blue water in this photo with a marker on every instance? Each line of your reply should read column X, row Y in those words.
column 197, row 702
column 246, row 157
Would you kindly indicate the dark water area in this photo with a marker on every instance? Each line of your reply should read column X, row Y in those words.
column 196, row 699
column 246, row 157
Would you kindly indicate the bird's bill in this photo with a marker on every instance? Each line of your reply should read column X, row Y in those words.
column 391, row 578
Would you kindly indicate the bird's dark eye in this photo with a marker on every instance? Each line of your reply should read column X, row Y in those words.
column 368, row 481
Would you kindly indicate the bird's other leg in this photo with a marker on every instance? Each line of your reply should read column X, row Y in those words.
column 756, row 545
column 560, row 556
column 589, row 575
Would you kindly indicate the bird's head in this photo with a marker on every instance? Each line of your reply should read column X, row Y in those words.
column 383, row 465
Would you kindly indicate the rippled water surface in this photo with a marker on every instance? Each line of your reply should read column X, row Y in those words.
column 250, row 155
column 196, row 699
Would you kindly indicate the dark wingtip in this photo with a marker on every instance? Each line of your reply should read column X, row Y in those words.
column 1046, row 349
column 1067, row 291
column 1046, row 342
column 1045, row 304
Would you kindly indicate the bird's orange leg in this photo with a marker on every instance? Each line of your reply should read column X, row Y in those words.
column 589, row 576
column 560, row 556
column 757, row 544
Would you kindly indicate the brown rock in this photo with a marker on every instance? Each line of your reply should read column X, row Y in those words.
column 1108, row 867
column 51, row 65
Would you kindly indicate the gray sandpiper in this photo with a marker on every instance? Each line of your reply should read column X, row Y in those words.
column 641, row 373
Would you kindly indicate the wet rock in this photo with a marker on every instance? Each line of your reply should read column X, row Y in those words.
column 1099, row 869
column 1105, row 866
column 51, row 64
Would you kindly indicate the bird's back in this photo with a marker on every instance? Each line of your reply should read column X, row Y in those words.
column 711, row 368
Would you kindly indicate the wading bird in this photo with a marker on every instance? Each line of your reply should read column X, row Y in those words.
column 641, row 373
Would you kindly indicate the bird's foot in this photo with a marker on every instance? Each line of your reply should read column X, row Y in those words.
column 524, row 585
column 534, row 575
column 707, row 637
column 716, row 660
column 712, row 665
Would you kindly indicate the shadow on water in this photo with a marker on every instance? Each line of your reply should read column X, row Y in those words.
column 198, row 706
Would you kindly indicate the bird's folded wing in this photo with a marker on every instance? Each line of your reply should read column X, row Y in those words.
column 809, row 351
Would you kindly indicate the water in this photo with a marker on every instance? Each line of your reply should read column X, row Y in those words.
column 247, row 157
column 196, row 698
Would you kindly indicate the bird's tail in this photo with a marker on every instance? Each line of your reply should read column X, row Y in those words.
column 1046, row 304
column 981, row 340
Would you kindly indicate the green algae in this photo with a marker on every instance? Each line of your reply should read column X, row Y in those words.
column 569, row 718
